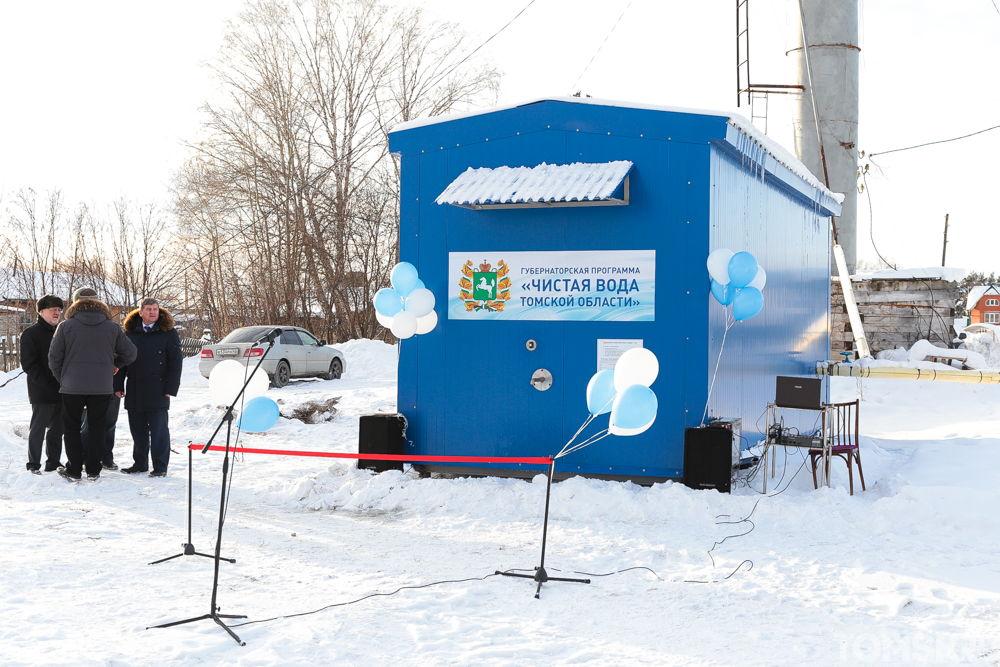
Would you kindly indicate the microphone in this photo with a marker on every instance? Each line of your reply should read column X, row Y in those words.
column 270, row 338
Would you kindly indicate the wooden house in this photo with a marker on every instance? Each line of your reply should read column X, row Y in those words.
column 983, row 304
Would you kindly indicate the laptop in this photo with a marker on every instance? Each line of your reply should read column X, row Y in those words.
column 798, row 392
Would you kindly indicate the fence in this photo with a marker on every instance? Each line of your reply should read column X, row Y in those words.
column 10, row 351
column 191, row 347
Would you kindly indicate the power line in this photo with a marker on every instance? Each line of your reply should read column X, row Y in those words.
column 995, row 6
column 931, row 143
column 459, row 63
column 600, row 47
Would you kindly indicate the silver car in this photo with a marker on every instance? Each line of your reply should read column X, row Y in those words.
column 297, row 353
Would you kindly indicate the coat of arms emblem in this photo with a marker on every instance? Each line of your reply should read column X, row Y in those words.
column 485, row 287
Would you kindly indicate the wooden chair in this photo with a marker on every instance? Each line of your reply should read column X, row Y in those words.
column 843, row 438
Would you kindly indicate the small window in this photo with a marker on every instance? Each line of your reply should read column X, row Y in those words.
column 993, row 318
column 288, row 337
column 993, row 302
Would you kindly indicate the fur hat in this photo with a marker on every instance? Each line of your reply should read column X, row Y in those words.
column 84, row 293
column 49, row 301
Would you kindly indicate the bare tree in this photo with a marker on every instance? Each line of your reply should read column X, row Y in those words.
column 291, row 198
column 142, row 262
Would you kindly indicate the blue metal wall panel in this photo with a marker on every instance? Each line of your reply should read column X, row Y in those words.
column 792, row 242
column 464, row 387
column 560, row 116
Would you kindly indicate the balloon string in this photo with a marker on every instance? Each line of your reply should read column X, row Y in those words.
column 729, row 324
column 586, row 422
column 600, row 435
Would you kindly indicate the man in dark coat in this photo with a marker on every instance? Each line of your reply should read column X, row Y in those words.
column 148, row 383
column 43, row 389
column 87, row 350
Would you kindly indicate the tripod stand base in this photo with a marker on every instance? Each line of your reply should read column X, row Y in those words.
column 541, row 576
column 214, row 616
column 189, row 551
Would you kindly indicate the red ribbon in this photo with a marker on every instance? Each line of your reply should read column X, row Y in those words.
column 538, row 460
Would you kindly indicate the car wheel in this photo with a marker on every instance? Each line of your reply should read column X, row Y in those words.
column 336, row 369
column 282, row 373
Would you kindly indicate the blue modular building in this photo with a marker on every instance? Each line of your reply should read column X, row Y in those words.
column 556, row 234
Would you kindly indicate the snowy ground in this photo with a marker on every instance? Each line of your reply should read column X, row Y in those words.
column 904, row 573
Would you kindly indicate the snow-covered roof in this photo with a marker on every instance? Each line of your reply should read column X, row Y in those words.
column 20, row 285
column 579, row 182
column 928, row 273
column 741, row 123
column 12, row 309
column 978, row 292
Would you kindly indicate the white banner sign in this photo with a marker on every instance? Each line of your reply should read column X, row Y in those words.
column 584, row 285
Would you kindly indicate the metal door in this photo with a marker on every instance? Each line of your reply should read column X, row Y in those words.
column 491, row 399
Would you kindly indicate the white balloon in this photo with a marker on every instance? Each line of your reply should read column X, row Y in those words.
column 427, row 323
column 760, row 279
column 258, row 384
column 383, row 320
column 404, row 325
column 636, row 366
column 419, row 302
column 227, row 378
column 616, row 430
column 718, row 265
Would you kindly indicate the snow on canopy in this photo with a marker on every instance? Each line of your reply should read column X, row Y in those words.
column 978, row 292
column 580, row 181
column 927, row 273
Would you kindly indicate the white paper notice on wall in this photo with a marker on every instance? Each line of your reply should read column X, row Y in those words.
column 609, row 349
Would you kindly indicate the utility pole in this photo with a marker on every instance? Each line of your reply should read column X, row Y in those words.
column 944, row 250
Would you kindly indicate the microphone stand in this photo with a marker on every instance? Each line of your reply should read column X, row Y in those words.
column 540, row 575
column 227, row 419
column 189, row 549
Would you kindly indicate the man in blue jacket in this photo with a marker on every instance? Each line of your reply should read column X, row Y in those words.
column 148, row 383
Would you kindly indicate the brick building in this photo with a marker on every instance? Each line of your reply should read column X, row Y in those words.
column 983, row 304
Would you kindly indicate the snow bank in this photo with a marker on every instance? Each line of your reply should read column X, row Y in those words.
column 984, row 345
column 975, row 357
column 369, row 359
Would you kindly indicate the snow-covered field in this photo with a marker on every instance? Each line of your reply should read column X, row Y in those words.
column 905, row 573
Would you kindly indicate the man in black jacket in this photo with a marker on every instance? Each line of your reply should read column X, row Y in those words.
column 152, row 378
column 87, row 350
column 43, row 389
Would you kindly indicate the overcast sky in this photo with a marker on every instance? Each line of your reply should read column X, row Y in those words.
column 98, row 96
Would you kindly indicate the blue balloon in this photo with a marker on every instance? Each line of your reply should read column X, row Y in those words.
column 634, row 406
column 723, row 293
column 259, row 414
column 420, row 284
column 747, row 303
column 387, row 302
column 404, row 278
column 601, row 392
column 742, row 269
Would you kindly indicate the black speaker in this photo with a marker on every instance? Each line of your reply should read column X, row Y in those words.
column 708, row 458
column 381, row 434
